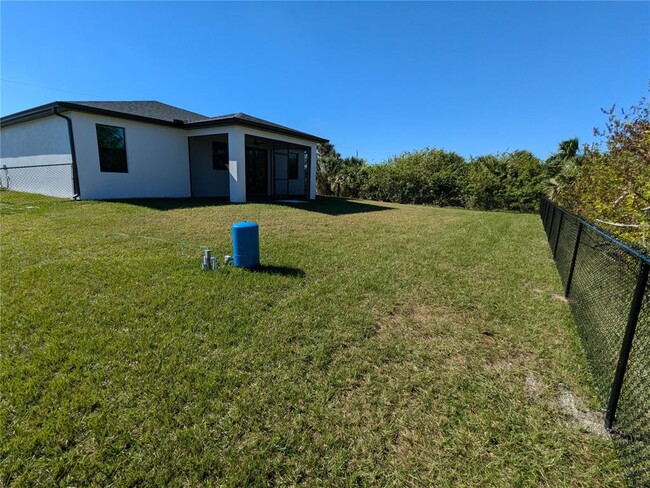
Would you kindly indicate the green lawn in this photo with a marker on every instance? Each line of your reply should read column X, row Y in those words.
column 381, row 344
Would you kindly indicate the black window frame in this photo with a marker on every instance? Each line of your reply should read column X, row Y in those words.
column 220, row 163
column 106, row 166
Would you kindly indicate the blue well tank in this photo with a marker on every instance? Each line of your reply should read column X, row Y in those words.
column 246, row 244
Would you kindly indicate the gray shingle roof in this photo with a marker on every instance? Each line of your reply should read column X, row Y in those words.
column 150, row 109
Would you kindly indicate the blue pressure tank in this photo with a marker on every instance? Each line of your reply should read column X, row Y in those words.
column 246, row 244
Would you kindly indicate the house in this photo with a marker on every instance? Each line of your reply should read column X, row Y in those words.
column 147, row 149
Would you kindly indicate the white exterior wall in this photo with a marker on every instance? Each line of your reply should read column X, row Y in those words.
column 237, row 164
column 157, row 160
column 38, row 142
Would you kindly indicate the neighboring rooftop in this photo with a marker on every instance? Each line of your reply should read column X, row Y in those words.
column 153, row 112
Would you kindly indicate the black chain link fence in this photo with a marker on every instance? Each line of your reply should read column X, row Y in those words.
column 606, row 283
column 35, row 184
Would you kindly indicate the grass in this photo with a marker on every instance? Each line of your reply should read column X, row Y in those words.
column 381, row 344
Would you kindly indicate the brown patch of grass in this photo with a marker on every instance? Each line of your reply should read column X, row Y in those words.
column 415, row 321
column 559, row 298
column 516, row 360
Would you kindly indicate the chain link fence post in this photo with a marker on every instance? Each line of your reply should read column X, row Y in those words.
column 574, row 257
column 550, row 224
column 626, row 347
column 557, row 237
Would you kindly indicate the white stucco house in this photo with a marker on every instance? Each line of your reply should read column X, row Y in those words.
column 147, row 149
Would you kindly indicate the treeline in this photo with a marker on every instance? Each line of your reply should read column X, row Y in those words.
column 508, row 181
column 607, row 182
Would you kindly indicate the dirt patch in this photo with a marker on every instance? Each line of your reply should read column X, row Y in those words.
column 423, row 314
column 587, row 419
column 500, row 365
column 559, row 298
column 533, row 387
column 403, row 445
column 419, row 321
column 518, row 359
column 488, row 336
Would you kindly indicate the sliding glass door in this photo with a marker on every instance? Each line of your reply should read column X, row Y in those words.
column 288, row 170
column 257, row 176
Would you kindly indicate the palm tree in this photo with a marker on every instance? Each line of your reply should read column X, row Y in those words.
column 326, row 167
column 563, row 168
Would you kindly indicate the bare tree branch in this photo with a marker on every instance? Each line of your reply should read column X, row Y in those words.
column 617, row 224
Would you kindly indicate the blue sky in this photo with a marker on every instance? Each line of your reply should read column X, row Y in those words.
column 377, row 78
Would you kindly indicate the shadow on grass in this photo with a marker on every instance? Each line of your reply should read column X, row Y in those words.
column 325, row 205
column 335, row 206
column 173, row 203
column 273, row 269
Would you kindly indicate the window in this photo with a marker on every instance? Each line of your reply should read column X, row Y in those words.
column 112, row 149
column 292, row 170
column 219, row 155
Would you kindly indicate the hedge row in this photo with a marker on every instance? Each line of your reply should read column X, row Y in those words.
column 509, row 181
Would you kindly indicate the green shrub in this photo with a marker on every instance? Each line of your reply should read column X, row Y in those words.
column 509, row 181
column 427, row 176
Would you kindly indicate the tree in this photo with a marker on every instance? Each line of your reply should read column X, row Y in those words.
column 612, row 185
column 327, row 165
column 509, row 181
column 427, row 176
column 348, row 179
column 561, row 168
column 338, row 176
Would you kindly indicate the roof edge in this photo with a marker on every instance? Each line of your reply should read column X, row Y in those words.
column 257, row 125
column 29, row 114
column 48, row 110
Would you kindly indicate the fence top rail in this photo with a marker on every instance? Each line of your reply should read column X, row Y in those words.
column 634, row 252
column 4, row 166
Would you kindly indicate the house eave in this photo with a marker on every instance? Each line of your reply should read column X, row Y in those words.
column 256, row 125
column 48, row 110
column 27, row 115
